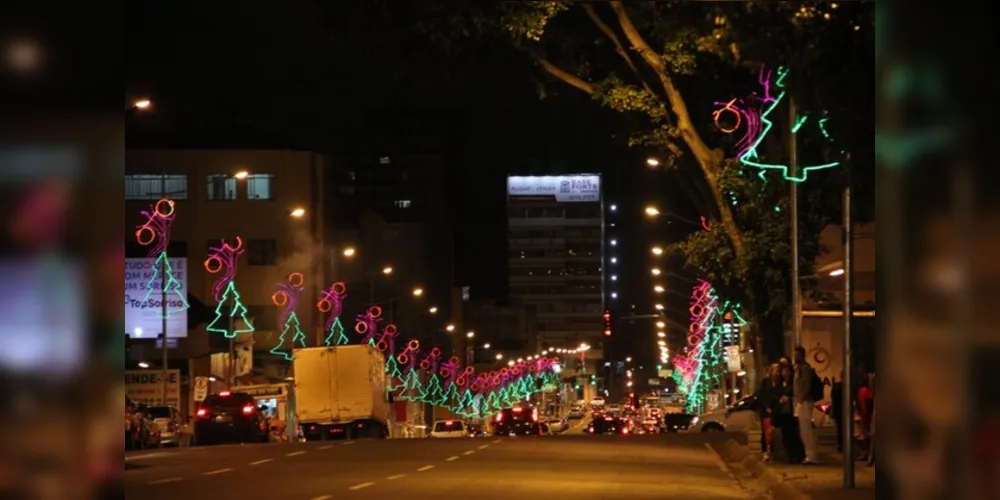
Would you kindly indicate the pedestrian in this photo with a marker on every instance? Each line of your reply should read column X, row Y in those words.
column 783, row 416
column 871, row 432
column 837, row 411
column 865, row 400
column 784, row 361
column 765, row 397
column 808, row 390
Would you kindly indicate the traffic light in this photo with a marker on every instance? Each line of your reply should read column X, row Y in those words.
column 607, row 323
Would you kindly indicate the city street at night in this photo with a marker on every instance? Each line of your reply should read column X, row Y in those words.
column 559, row 467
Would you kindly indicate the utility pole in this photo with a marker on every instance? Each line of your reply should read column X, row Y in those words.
column 793, row 169
column 232, row 350
column 847, row 413
column 163, row 324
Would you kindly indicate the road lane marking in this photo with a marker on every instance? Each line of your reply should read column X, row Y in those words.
column 146, row 455
column 164, row 481
column 324, row 497
column 266, row 460
column 397, row 476
column 349, row 442
column 214, row 472
column 360, row 486
column 295, row 453
column 425, row 468
column 451, row 459
column 497, row 441
column 470, row 452
column 483, row 447
column 327, row 447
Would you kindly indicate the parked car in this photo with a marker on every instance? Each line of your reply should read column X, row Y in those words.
column 169, row 422
column 576, row 413
column 557, row 425
column 449, row 429
column 141, row 432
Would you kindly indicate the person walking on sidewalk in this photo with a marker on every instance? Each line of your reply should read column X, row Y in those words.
column 783, row 417
column 808, row 390
column 765, row 398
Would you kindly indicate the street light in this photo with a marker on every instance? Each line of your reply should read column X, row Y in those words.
column 142, row 104
column 655, row 271
column 628, row 360
column 349, row 252
column 470, row 334
column 652, row 162
column 241, row 175
column 657, row 250
column 387, row 270
column 661, row 334
column 486, row 346
column 499, row 356
column 417, row 292
column 298, row 212
column 837, row 272
column 143, row 364
column 661, row 324
column 658, row 289
column 449, row 328
column 433, row 310
column 652, row 211
column 659, row 307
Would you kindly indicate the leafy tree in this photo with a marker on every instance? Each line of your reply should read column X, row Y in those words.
column 661, row 65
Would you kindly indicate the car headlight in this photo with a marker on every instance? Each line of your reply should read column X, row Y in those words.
column 694, row 421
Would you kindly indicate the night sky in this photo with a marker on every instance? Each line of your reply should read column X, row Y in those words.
column 286, row 77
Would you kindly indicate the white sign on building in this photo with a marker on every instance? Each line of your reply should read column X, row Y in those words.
column 146, row 387
column 564, row 188
column 143, row 319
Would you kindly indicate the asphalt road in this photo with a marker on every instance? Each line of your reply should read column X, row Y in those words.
column 577, row 467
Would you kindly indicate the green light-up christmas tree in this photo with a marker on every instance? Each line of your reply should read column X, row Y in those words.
column 292, row 326
column 393, row 375
column 411, row 389
column 237, row 311
column 336, row 335
column 173, row 287
column 433, row 392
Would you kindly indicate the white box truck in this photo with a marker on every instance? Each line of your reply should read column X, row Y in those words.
column 340, row 392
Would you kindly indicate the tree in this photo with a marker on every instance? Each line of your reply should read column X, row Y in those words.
column 336, row 335
column 172, row 286
column 238, row 310
column 292, row 326
column 660, row 64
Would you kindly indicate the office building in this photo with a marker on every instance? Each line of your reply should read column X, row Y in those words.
column 555, row 254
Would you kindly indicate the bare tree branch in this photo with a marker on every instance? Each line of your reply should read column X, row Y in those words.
column 619, row 47
column 562, row 74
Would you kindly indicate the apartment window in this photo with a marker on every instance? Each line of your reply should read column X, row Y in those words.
column 260, row 187
column 154, row 187
column 402, row 203
column 262, row 252
column 221, row 187
column 385, row 160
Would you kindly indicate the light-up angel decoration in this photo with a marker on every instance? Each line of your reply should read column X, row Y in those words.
column 155, row 234
column 287, row 297
column 408, row 361
column 222, row 260
column 333, row 302
column 366, row 325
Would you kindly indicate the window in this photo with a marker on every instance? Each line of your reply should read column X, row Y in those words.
column 154, row 187
column 221, row 187
column 262, row 252
column 385, row 160
column 259, row 187
column 402, row 203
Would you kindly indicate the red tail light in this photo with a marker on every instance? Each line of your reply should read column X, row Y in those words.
column 517, row 410
column 224, row 393
column 625, row 430
column 248, row 409
column 499, row 417
column 202, row 412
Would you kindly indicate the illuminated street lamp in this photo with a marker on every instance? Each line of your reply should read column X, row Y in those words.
column 417, row 292
column 658, row 289
column 652, row 162
column 486, row 346
column 499, row 356
column 241, row 175
column 657, row 250
column 661, row 334
column 659, row 307
column 298, row 212
column 349, row 252
column 387, row 270
column 652, row 211
column 433, row 310
column 142, row 104
column 470, row 334
column 655, row 271
column 661, row 324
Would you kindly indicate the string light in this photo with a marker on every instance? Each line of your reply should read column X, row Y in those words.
column 287, row 297
column 223, row 260
column 728, row 107
column 333, row 302
column 155, row 233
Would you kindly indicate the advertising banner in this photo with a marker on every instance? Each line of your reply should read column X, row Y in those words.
column 564, row 188
column 146, row 387
column 143, row 318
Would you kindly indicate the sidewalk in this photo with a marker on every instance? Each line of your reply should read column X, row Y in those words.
column 785, row 481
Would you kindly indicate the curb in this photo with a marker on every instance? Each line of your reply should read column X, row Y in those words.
column 747, row 467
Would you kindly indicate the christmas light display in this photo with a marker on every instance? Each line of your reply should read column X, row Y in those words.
column 222, row 260
column 750, row 156
column 748, row 112
column 704, row 224
column 155, row 233
column 366, row 325
column 287, row 297
column 333, row 302
column 697, row 365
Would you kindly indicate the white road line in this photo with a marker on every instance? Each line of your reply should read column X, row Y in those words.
column 360, row 486
column 295, row 453
column 327, row 447
column 451, row 459
column 425, row 468
column 470, row 452
column 483, row 447
column 145, row 455
column 169, row 480
column 266, row 460
column 397, row 476
column 497, row 441
column 214, row 472
column 349, row 442
column 718, row 459
column 324, row 497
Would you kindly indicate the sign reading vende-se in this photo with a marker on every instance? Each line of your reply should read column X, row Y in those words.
column 143, row 318
column 146, row 387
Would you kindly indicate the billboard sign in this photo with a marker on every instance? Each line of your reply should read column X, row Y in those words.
column 564, row 188
column 143, row 320
column 146, row 387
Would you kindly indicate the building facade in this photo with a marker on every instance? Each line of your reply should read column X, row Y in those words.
column 555, row 227
column 273, row 202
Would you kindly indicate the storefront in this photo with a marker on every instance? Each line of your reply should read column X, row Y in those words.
column 277, row 402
